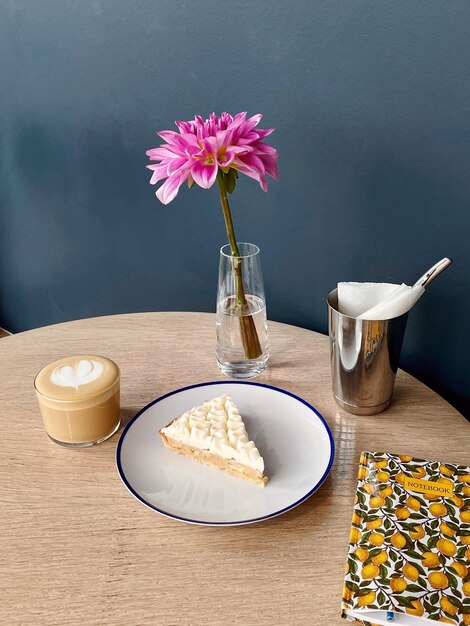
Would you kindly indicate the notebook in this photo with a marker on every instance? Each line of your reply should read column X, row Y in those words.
column 409, row 552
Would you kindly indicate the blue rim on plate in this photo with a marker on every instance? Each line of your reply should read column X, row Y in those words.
column 231, row 523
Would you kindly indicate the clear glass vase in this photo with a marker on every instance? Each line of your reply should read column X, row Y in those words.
column 242, row 330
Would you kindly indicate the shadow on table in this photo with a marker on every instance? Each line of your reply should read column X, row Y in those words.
column 127, row 413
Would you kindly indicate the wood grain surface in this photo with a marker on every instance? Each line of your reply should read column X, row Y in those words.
column 78, row 549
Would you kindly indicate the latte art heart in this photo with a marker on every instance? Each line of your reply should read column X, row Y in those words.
column 83, row 372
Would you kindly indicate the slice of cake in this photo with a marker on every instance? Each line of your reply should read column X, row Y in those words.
column 214, row 434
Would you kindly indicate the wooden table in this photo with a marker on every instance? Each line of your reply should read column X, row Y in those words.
column 78, row 549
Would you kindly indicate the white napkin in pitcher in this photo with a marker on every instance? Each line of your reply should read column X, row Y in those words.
column 377, row 301
column 384, row 301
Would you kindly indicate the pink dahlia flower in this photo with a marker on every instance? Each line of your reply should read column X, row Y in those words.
column 202, row 147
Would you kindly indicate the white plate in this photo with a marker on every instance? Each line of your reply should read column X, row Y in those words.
column 290, row 434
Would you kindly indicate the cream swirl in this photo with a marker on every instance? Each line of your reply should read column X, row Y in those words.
column 218, row 427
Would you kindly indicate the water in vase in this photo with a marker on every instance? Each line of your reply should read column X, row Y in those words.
column 230, row 351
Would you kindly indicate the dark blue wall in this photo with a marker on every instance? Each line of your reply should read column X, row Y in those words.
column 371, row 101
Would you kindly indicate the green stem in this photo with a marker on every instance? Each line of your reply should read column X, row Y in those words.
column 251, row 344
column 228, row 217
column 236, row 261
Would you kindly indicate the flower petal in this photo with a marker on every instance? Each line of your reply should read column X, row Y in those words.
column 264, row 132
column 160, row 171
column 168, row 191
column 270, row 165
column 210, row 145
column 168, row 135
column 253, row 121
column 240, row 149
column 253, row 162
column 265, row 148
column 163, row 152
column 204, row 175
column 184, row 127
column 263, row 183
column 226, row 158
column 238, row 119
column 178, row 164
column 246, row 169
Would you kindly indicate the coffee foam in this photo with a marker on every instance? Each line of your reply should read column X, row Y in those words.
column 81, row 373
column 77, row 378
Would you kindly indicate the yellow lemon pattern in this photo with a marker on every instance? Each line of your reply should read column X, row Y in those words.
column 409, row 553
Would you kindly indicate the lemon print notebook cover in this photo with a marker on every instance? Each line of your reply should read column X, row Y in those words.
column 409, row 551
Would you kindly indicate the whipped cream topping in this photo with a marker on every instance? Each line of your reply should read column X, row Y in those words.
column 83, row 372
column 218, row 427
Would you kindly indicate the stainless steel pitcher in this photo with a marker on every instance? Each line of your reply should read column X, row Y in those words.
column 364, row 359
